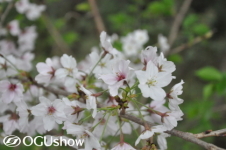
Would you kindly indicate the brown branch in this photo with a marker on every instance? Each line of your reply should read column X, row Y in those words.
column 3, row 16
column 190, row 44
column 184, row 135
column 56, row 35
column 178, row 20
column 97, row 17
column 51, row 90
column 210, row 133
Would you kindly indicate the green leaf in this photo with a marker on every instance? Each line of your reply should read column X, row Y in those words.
column 175, row 58
column 207, row 91
column 201, row 29
column 163, row 7
column 70, row 37
column 59, row 23
column 190, row 20
column 82, row 7
column 221, row 86
column 209, row 74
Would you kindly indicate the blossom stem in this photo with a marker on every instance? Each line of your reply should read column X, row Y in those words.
column 120, row 127
column 155, row 111
column 10, row 63
column 91, row 72
column 99, row 121
column 102, row 56
column 82, row 120
column 105, row 127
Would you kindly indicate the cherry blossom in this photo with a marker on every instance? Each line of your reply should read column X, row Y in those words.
column 106, row 44
column 123, row 146
column 46, row 71
column 161, row 139
column 150, row 132
column 120, row 74
column 51, row 111
column 149, row 54
column 163, row 43
column 90, row 101
column 11, row 91
column 82, row 133
column 14, row 28
column 176, row 90
column 151, row 82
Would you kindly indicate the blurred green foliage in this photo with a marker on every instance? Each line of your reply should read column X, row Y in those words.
column 205, row 86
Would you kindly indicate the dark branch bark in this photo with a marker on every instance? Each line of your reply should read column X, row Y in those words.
column 184, row 135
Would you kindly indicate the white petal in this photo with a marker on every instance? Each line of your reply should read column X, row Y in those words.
column 49, row 123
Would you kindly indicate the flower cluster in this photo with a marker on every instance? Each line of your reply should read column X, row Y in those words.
column 89, row 98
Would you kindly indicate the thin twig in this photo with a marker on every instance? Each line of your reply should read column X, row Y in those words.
column 97, row 17
column 3, row 16
column 56, row 35
column 184, row 135
column 49, row 89
column 210, row 133
column 178, row 20
column 190, row 44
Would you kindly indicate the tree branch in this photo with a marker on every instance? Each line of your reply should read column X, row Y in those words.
column 210, row 133
column 56, row 35
column 190, row 44
column 184, row 135
column 97, row 17
column 3, row 16
column 178, row 20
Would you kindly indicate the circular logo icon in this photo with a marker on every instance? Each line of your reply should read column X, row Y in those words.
column 12, row 141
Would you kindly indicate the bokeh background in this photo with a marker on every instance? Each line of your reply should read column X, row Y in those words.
column 68, row 26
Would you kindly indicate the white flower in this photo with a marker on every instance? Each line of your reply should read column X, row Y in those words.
column 141, row 36
column 169, row 121
column 27, row 38
column 10, row 123
column 34, row 11
column 80, row 131
column 25, row 61
column 149, row 133
column 7, row 47
column 176, row 90
column 107, row 124
column 14, row 28
column 149, row 54
column 90, row 101
column 22, row 109
column 69, row 73
column 161, row 139
column 123, row 146
column 11, row 91
column 133, row 42
column 104, row 66
column 151, row 82
column 22, row 6
column 51, row 111
column 163, row 43
column 115, row 80
column 151, row 116
column 73, row 110
column 46, row 71
column 164, row 65
column 6, row 68
column 106, row 44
